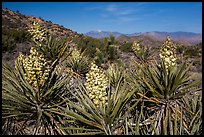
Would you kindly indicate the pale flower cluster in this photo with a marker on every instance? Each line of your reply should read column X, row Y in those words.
column 168, row 53
column 76, row 54
column 38, row 33
column 36, row 68
column 96, row 84
column 136, row 47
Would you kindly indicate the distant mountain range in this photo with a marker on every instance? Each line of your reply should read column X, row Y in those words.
column 186, row 37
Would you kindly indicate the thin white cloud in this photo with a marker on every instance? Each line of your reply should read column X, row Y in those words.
column 119, row 10
column 115, row 12
column 111, row 8
column 121, row 20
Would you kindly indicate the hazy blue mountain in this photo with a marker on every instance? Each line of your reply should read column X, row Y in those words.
column 177, row 36
column 188, row 37
column 102, row 34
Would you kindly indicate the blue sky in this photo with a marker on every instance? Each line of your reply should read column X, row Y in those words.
column 124, row 17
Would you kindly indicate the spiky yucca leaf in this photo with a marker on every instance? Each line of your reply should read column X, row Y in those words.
column 115, row 73
column 192, row 105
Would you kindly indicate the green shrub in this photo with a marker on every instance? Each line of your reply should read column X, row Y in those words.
column 10, row 37
column 126, row 47
column 112, row 53
column 8, row 43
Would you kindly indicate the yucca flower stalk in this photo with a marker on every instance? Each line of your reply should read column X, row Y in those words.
column 45, row 43
column 96, row 85
column 36, row 68
column 168, row 53
column 142, row 52
column 76, row 54
column 38, row 33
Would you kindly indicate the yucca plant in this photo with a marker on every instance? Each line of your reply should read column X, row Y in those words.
column 97, row 109
column 30, row 106
column 33, row 87
column 163, row 88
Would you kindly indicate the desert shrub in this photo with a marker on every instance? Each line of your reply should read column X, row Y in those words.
column 100, row 50
column 111, row 39
column 180, row 49
column 100, row 57
column 112, row 53
column 10, row 37
column 192, row 52
column 126, row 47
column 8, row 43
column 19, row 36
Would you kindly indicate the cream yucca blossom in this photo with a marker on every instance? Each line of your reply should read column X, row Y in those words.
column 76, row 54
column 36, row 67
column 168, row 53
column 136, row 47
column 96, row 84
column 38, row 33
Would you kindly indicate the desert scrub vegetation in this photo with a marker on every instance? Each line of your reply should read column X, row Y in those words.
column 101, row 51
column 126, row 47
column 40, row 97
column 12, row 36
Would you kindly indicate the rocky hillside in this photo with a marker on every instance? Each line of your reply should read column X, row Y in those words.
column 11, row 19
column 146, row 40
